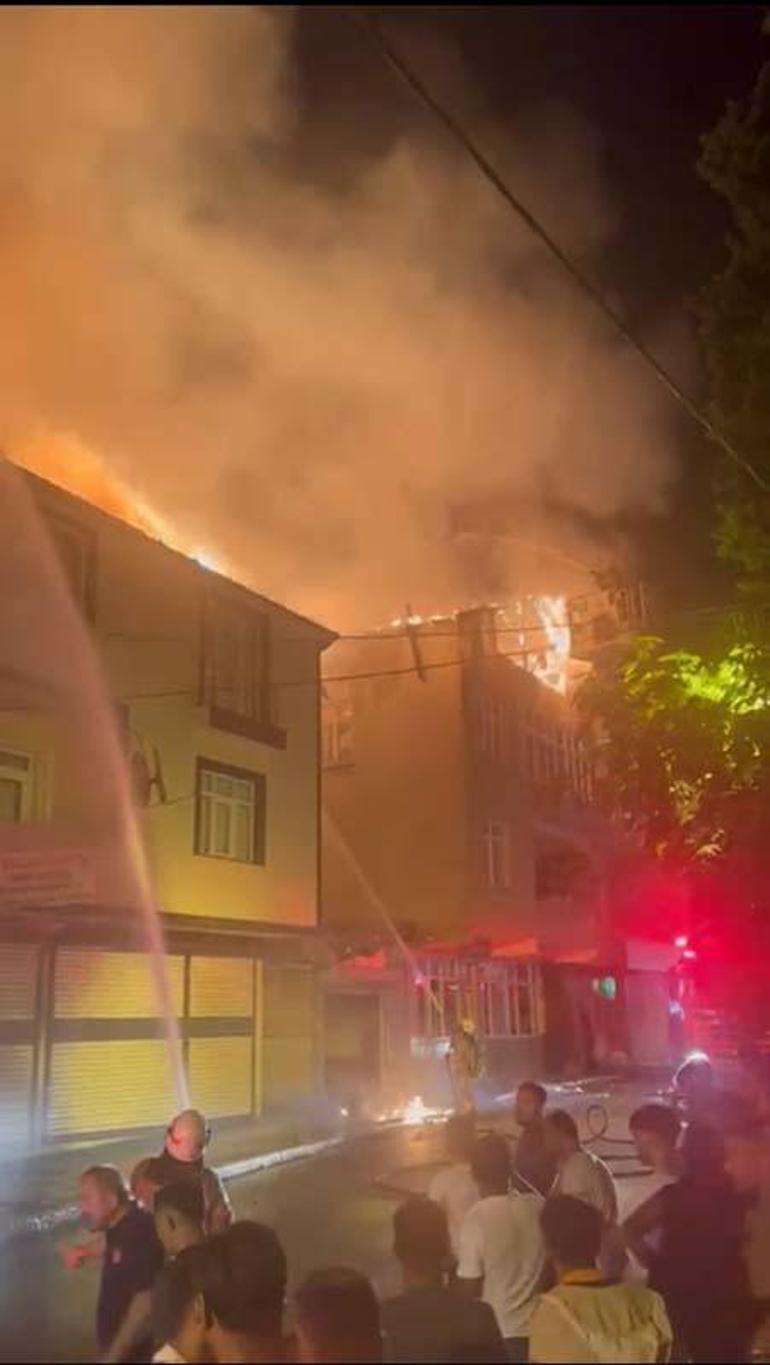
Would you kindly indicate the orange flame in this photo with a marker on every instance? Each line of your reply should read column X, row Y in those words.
column 72, row 465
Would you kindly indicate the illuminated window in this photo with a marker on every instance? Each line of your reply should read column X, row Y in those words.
column 230, row 816
column 236, row 659
column 495, row 860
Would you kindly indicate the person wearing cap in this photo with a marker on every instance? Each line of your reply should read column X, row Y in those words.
column 187, row 1137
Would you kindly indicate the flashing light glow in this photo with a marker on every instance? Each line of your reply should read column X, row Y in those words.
column 681, row 941
column 697, row 1055
column 690, row 954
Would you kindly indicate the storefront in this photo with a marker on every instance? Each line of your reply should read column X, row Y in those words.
column 83, row 1042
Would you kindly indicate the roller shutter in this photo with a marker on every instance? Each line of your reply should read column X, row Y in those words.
column 221, row 1030
column 110, row 1063
column 18, row 991
column 289, row 1046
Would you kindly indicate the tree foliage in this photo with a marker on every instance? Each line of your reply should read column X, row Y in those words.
column 686, row 747
column 687, row 728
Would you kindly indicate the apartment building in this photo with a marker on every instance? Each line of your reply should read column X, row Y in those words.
column 466, row 871
column 119, row 655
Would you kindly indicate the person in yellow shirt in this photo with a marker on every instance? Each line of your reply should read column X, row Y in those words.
column 585, row 1318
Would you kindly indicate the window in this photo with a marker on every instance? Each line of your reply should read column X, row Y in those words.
column 235, row 666
column 490, row 1012
column 230, row 816
column 74, row 548
column 501, row 997
column 491, row 727
column 15, row 787
column 494, row 854
column 522, row 996
column 337, row 735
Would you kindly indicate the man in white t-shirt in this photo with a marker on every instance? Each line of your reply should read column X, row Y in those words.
column 585, row 1176
column 502, row 1256
column 580, row 1174
column 454, row 1188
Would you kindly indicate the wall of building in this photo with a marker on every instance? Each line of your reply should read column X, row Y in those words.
column 145, row 609
column 399, row 804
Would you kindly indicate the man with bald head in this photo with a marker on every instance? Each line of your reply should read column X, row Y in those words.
column 187, row 1137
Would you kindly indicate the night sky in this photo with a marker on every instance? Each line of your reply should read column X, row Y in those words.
column 649, row 79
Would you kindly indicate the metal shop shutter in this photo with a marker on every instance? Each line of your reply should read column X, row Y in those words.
column 18, row 990
column 110, row 1065
column 91, row 983
column 289, row 1046
column 221, row 1028
column 109, row 1084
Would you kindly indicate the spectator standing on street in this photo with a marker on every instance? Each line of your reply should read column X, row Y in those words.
column 242, row 1288
column 586, row 1177
column 534, row 1168
column 454, row 1188
column 146, row 1180
column 579, row 1173
column 179, row 1214
column 132, row 1260
column 187, row 1138
column 178, row 1318
column 586, row 1318
column 338, row 1319
column 655, row 1129
column 502, row 1257
column 747, row 1162
column 429, row 1322
column 689, row 1236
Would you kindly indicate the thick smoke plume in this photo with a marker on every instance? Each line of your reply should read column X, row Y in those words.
column 327, row 383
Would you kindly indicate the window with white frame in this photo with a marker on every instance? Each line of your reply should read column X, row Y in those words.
column 502, row 998
column 523, row 1003
column 495, row 854
column 230, row 817
column 15, row 786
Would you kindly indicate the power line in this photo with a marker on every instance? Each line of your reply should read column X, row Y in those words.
column 373, row 29
column 320, row 680
column 371, row 674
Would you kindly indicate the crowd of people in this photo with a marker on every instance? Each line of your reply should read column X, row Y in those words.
column 524, row 1248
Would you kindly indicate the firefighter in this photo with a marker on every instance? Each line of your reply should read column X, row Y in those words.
column 464, row 1064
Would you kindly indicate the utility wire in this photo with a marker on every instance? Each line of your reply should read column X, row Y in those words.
column 320, row 680
column 366, row 21
column 411, row 668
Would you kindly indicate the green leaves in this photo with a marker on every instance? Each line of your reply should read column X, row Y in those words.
column 685, row 733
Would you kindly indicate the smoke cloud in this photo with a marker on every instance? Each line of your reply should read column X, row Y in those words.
column 332, row 382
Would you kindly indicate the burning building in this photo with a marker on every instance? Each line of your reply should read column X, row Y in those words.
column 224, row 766
column 467, row 872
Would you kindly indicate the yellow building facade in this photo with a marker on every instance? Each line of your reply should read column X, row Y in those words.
column 123, row 663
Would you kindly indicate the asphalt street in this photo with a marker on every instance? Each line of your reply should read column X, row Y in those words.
column 334, row 1209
